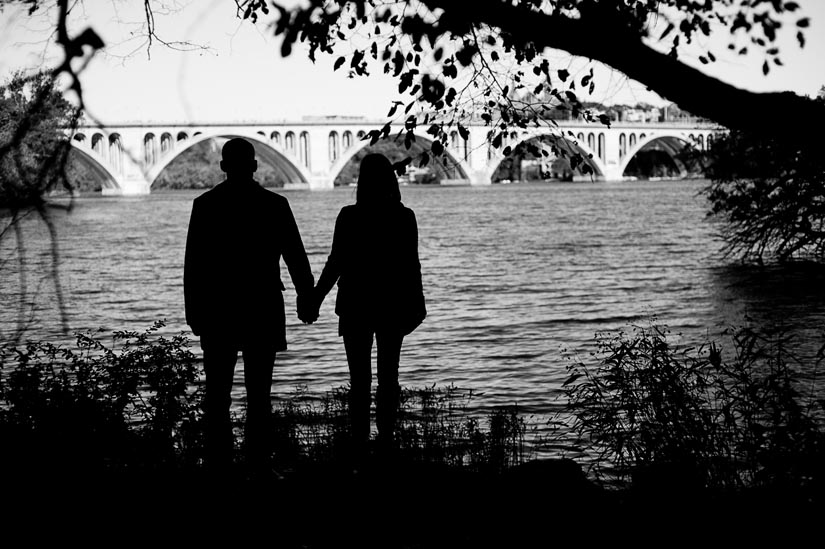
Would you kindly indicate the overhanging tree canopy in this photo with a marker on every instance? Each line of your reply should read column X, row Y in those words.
column 424, row 43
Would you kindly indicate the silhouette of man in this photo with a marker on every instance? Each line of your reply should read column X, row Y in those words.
column 238, row 231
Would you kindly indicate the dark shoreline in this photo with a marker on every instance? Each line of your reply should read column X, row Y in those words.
column 409, row 505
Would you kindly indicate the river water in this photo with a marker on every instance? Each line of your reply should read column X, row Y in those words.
column 515, row 276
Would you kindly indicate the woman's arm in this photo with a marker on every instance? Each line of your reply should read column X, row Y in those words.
column 332, row 268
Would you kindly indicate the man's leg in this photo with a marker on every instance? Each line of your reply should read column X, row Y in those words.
column 219, row 360
column 258, row 364
column 358, row 345
column 388, row 392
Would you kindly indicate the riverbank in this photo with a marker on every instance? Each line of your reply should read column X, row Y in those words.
column 408, row 505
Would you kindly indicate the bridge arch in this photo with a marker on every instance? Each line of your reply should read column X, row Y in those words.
column 590, row 157
column 264, row 150
column 92, row 161
column 361, row 144
column 672, row 142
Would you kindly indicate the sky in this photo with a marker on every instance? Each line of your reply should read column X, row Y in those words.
column 238, row 74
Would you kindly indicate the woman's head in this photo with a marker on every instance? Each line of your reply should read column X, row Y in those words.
column 377, row 183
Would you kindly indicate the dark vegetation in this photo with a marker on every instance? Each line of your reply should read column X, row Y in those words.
column 656, row 425
column 769, row 194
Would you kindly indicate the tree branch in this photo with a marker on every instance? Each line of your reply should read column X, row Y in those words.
column 622, row 48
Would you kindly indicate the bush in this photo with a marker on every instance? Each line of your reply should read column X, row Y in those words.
column 124, row 406
column 663, row 417
column 769, row 194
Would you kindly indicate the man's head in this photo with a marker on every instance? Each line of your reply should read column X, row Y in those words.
column 238, row 158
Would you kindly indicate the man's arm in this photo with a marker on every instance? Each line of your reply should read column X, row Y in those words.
column 297, row 263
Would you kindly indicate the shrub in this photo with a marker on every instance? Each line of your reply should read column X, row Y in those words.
column 127, row 405
column 658, row 415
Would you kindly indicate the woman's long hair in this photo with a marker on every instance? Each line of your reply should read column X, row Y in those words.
column 377, row 184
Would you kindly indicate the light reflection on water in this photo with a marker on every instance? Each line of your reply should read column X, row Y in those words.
column 513, row 274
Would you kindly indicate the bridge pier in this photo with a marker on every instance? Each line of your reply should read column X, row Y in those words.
column 320, row 182
column 612, row 172
column 128, row 187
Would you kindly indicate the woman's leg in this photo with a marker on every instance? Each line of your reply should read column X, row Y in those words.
column 388, row 392
column 358, row 345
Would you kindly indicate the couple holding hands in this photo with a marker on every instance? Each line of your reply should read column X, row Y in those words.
column 238, row 231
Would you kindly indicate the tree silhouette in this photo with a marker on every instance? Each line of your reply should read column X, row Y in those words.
column 459, row 59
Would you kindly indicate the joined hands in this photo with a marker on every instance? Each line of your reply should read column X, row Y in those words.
column 309, row 307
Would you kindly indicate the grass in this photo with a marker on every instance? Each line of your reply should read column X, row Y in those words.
column 656, row 419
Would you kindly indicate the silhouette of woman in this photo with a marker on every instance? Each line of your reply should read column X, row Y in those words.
column 374, row 259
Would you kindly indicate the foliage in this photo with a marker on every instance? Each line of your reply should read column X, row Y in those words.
column 129, row 404
column 690, row 418
column 434, row 427
column 133, row 405
column 770, row 194
column 33, row 148
column 463, row 61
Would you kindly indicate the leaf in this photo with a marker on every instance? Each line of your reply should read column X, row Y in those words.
column 338, row 62
column 409, row 137
column 563, row 74
column 357, row 57
column 507, row 150
column 451, row 93
column 766, row 68
column 667, row 31
column 400, row 167
column 571, row 379
column 463, row 132
column 703, row 59
column 803, row 23
column 425, row 159
column 437, row 147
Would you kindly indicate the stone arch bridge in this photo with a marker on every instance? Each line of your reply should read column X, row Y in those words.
column 127, row 158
